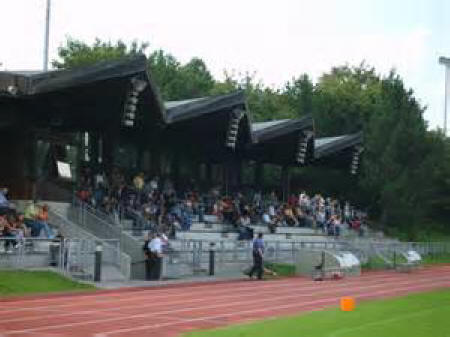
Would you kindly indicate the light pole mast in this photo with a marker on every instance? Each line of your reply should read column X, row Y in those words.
column 47, row 34
column 446, row 62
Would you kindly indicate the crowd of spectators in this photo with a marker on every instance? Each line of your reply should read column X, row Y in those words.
column 154, row 204
column 16, row 226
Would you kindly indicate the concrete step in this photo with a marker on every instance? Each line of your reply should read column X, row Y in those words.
column 209, row 234
column 214, row 236
column 219, row 228
column 287, row 230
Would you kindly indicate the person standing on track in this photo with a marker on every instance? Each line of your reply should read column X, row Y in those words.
column 258, row 254
column 155, row 247
column 148, row 256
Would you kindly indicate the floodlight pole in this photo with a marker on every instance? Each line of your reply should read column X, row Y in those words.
column 446, row 62
column 47, row 34
column 446, row 98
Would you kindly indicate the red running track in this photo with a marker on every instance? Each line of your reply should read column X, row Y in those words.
column 164, row 311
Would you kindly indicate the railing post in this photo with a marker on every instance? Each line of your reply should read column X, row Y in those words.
column 293, row 251
column 222, row 251
column 277, row 248
column 211, row 258
column 98, row 262
column 395, row 259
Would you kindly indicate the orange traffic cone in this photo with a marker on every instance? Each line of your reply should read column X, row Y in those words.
column 347, row 303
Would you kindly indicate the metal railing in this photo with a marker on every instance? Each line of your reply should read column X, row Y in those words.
column 113, row 246
column 30, row 252
column 80, row 257
column 74, row 257
column 88, row 218
column 193, row 254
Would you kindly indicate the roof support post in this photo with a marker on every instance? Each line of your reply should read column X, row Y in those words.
column 233, row 169
column 31, row 163
column 175, row 168
column 18, row 157
column 155, row 162
column 258, row 175
column 225, row 177
column 285, row 182
column 209, row 175
column 93, row 149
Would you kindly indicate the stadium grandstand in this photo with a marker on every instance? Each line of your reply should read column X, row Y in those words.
column 98, row 149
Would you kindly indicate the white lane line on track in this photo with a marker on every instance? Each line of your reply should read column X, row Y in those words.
column 279, row 290
column 316, row 290
column 162, row 292
column 296, row 305
column 363, row 287
column 103, row 299
column 274, row 288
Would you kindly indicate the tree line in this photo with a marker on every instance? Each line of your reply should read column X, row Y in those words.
column 404, row 180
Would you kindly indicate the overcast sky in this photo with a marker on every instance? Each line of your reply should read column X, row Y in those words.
column 276, row 39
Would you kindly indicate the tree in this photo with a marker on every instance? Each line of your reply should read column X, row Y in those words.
column 399, row 159
column 344, row 99
column 76, row 53
column 175, row 80
column 299, row 93
column 264, row 103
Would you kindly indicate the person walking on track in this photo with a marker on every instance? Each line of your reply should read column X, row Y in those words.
column 258, row 254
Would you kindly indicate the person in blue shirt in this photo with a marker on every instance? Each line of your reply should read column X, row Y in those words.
column 4, row 203
column 258, row 254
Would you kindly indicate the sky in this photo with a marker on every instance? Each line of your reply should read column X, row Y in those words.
column 276, row 40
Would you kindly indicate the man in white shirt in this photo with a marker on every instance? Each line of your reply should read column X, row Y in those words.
column 155, row 248
column 272, row 212
column 269, row 222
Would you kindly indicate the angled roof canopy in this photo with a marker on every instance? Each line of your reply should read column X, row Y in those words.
column 177, row 111
column 279, row 141
column 328, row 146
column 267, row 131
column 83, row 98
column 206, row 121
column 95, row 97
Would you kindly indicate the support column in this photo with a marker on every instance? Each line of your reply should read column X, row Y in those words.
column 140, row 157
column 93, row 149
column 196, row 174
column 108, row 149
column 225, row 178
column 285, row 182
column 239, row 164
column 258, row 175
column 234, row 173
column 14, row 171
column 175, row 169
column 156, row 163
column 31, row 163
column 209, row 175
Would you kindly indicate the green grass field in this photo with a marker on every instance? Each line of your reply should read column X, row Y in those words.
column 21, row 282
column 437, row 259
column 418, row 315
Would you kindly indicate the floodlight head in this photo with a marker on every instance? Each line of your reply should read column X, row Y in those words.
column 444, row 60
column 238, row 114
column 12, row 89
column 139, row 85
